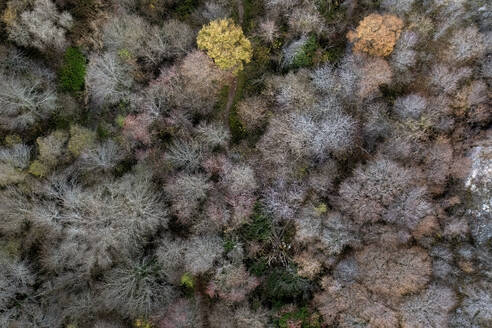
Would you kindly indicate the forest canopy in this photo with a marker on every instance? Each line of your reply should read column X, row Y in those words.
column 245, row 164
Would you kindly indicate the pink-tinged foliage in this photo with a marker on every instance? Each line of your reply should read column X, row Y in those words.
column 190, row 85
column 232, row 284
column 216, row 165
column 137, row 126
column 217, row 211
column 181, row 314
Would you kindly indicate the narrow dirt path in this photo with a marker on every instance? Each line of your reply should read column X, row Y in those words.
column 240, row 9
column 230, row 101
column 233, row 87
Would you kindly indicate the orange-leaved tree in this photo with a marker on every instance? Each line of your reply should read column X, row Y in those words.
column 376, row 34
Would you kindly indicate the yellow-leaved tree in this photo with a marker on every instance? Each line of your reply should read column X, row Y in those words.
column 226, row 44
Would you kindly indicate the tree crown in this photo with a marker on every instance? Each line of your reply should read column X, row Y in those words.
column 226, row 44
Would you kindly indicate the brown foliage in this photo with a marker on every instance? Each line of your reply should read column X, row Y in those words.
column 200, row 73
column 341, row 302
column 427, row 227
column 391, row 236
column 438, row 160
column 394, row 273
column 193, row 84
column 308, row 267
column 374, row 72
column 252, row 112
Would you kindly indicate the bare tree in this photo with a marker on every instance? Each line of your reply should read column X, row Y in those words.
column 186, row 192
column 194, row 256
column 104, row 157
column 465, row 45
column 43, row 27
column 136, row 289
column 16, row 156
column 446, row 79
column 404, row 56
column 411, row 106
column 429, row 308
column 185, row 154
column 24, row 100
column 95, row 226
column 373, row 187
column 108, row 79
column 15, row 279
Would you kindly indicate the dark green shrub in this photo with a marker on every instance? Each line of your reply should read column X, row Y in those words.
column 302, row 315
column 331, row 9
column 283, row 285
column 221, row 104
column 304, row 57
column 237, row 130
column 260, row 227
column 390, row 93
column 252, row 9
column 259, row 267
column 253, row 71
column 229, row 245
column 187, row 281
column 103, row 130
column 186, row 7
column 333, row 54
column 72, row 73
